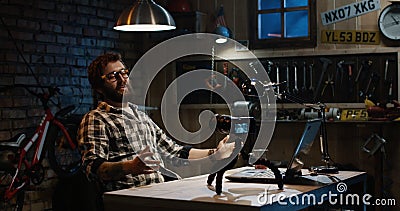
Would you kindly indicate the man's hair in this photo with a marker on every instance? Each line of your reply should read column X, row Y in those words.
column 96, row 68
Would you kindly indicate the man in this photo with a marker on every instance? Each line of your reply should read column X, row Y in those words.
column 110, row 138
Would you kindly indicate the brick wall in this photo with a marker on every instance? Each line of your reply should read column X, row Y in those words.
column 58, row 39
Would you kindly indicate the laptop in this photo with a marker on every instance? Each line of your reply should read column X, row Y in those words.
column 266, row 175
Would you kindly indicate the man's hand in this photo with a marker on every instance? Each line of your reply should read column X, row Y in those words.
column 224, row 150
column 144, row 164
column 141, row 164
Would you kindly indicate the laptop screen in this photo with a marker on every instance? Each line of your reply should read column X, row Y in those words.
column 303, row 147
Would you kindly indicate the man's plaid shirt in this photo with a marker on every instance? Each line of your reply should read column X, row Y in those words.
column 108, row 134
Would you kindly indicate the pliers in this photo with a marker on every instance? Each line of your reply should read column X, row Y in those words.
column 330, row 83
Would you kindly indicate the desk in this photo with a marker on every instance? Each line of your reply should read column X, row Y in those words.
column 193, row 194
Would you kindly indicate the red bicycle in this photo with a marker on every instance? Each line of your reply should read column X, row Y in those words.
column 21, row 158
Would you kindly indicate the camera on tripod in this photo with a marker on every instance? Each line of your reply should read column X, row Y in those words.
column 241, row 125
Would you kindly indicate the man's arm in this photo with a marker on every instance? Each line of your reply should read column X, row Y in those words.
column 200, row 153
column 165, row 143
column 113, row 170
column 224, row 150
column 139, row 165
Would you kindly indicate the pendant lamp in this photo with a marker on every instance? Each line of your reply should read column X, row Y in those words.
column 145, row 15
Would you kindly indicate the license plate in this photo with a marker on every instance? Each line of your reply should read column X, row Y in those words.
column 354, row 114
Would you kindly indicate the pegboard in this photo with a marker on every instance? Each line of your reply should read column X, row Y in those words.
column 336, row 78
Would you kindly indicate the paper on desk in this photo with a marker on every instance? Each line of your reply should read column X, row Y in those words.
column 324, row 179
column 195, row 189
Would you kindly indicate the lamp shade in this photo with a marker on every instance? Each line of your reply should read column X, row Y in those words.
column 145, row 15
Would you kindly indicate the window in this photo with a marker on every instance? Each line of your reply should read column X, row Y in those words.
column 282, row 23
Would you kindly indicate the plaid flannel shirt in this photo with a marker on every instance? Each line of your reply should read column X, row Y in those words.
column 110, row 134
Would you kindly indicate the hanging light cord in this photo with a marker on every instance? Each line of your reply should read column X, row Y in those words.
column 30, row 68
column 19, row 51
column 212, row 70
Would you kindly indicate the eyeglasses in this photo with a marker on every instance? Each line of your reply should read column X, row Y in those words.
column 113, row 76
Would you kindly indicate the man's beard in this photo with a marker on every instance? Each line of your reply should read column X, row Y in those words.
column 112, row 94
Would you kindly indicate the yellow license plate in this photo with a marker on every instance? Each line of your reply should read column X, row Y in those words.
column 350, row 37
column 354, row 114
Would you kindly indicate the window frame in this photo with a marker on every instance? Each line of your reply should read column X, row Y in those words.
column 282, row 42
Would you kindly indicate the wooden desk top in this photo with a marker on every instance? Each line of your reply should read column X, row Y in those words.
column 193, row 194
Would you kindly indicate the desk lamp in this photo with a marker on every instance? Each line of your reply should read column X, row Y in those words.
column 320, row 107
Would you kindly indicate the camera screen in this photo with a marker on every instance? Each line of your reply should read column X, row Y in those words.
column 241, row 128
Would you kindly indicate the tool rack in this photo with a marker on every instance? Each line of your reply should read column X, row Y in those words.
column 337, row 78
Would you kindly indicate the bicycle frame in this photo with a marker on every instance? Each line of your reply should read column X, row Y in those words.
column 38, row 138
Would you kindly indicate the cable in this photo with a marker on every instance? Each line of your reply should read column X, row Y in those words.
column 32, row 72
column 19, row 51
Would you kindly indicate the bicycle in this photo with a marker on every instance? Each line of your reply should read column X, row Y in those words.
column 22, row 157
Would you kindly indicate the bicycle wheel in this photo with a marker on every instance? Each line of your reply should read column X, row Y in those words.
column 16, row 203
column 64, row 160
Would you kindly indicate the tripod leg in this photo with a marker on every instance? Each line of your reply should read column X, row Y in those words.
column 218, row 181
column 210, row 178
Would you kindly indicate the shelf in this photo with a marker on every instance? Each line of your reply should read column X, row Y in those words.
column 204, row 106
column 312, row 52
column 344, row 122
column 278, row 106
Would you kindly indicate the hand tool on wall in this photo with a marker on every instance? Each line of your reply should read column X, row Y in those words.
column 296, row 89
column 371, row 86
column 374, row 83
column 311, row 87
column 339, row 73
column 390, row 90
column 363, row 71
column 304, row 85
column 348, row 84
column 287, row 77
column 386, row 69
column 388, row 80
column 325, row 63
column 363, row 93
column 277, row 78
column 329, row 83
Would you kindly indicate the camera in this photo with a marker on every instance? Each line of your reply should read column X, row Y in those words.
column 241, row 125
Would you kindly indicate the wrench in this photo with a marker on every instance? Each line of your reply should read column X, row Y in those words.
column 296, row 89
column 277, row 78
column 373, row 80
column 339, row 73
column 287, row 78
column 365, row 65
column 390, row 91
column 311, row 87
column 325, row 63
column 304, row 87
column 386, row 69
column 348, row 86
column 388, row 80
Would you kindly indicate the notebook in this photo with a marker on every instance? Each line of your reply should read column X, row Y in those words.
column 265, row 175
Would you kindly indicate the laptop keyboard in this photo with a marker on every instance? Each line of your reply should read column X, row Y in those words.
column 267, row 173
